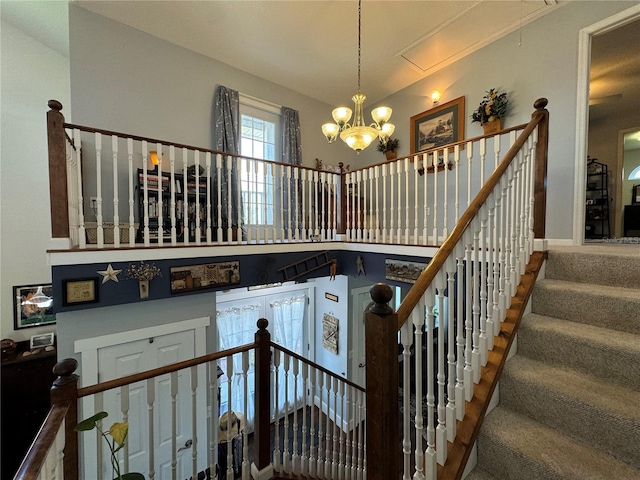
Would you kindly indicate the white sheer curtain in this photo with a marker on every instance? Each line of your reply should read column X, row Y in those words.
column 288, row 324
column 237, row 327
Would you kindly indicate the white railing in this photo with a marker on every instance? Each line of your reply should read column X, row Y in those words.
column 460, row 312
column 316, row 418
column 116, row 180
column 117, row 198
column 417, row 200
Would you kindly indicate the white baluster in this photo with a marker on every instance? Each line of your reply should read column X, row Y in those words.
column 456, row 161
column 342, row 459
column 334, row 229
column 208, row 197
column 116, row 200
column 393, row 214
column 239, row 235
column 197, row 199
column 384, row 202
column 313, row 439
column 312, row 208
column 124, row 410
column 277, row 359
column 160, row 201
column 303, row 213
column 406, row 200
column 324, row 200
column 251, row 199
column 417, row 321
column 304, row 458
column 82, row 239
column 469, row 171
column 475, row 354
column 363, row 213
column 450, row 266
column 416, row 195
column 436, row 213
column 445, row 209
column 430, row 453
column 229, row 424
column 321, row 442
column 245, row 433
column 483, row 157
column 358, row 221
column 426, row 209
column 373, row 217
column 490, row 327
column 295, row 458
column 100, row 232
column 376, row 174
column 468, row 319
column 186, row 231
column 318, row 208
column 145, row 191
column 172, row 189
column 334, row 443
column 215, row 409
column 398, row 165
column 504, row 233
column 441, row 429
column 460, row 340
column 482, row 280
column 327, row 431
column 98, row 406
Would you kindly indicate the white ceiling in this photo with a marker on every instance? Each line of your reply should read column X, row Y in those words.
column 311, row 46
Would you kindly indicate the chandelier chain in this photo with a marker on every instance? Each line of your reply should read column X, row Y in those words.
column 359, row 35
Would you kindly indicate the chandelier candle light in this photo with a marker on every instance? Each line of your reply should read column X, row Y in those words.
column 358, row 135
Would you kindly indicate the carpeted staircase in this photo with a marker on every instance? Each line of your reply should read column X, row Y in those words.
column 570, row 399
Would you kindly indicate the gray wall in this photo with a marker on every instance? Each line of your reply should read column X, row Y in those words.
column 544, row 65
column 125, row 80
column 32, row 73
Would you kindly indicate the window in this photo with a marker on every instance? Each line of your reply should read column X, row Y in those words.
column 259, row 135
column 635, row 174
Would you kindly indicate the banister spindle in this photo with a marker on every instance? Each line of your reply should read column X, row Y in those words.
column 116, row 200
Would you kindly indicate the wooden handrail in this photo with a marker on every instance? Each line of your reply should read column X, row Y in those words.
column 138, row 138
column 315, row 365
column 33, row 462
column 450, row 146
column 156, row 372
column 438, row 260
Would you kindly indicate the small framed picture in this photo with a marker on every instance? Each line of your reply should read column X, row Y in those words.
column 79, row 291
column 33, row 306
column 41, row 341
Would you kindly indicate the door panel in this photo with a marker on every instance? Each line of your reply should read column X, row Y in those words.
column 141, row 355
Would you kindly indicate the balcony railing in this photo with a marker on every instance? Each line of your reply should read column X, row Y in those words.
column 107, row 193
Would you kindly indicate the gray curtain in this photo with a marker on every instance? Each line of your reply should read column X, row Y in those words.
column 292, row 154
column 227, row 139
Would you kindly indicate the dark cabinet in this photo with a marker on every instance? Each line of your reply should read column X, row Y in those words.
column 189, row 207
column 26, row 383
column 597, row 201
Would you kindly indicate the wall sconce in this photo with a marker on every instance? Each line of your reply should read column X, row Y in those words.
column 435, row 97
column 154, row 158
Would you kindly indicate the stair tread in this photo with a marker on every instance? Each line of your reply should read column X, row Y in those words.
column 607, row 291
column 546, row 452
column 615, row 339
column 586, row 388
column 480, row 474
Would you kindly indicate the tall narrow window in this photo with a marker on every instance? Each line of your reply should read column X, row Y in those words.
column 259, row 135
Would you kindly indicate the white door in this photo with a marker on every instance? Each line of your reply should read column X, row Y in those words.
column 137, row 356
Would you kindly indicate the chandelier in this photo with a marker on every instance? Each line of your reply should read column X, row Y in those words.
column 358, row 135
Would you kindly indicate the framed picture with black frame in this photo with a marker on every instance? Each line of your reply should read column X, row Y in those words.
column 33, row 306
column 437, row 127
column 80, row 291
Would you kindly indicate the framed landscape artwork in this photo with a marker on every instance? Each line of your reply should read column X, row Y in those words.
column 437, row 127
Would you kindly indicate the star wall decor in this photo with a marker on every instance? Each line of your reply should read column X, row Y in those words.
column 109, row 274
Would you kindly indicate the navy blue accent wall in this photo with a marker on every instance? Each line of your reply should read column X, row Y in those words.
column 254, row 270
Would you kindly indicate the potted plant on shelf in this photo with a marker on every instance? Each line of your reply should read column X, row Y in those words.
column 491, row 111
column 389, row 148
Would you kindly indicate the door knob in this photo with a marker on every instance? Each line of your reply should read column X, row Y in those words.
column 187, row 445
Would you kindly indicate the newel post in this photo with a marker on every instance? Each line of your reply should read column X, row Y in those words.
column 381, row 345
column 262, row 467
column 65, row 390
column 57, row 171
column 540, row 185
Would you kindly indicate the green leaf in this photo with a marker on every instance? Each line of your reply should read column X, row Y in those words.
column 90, row 423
